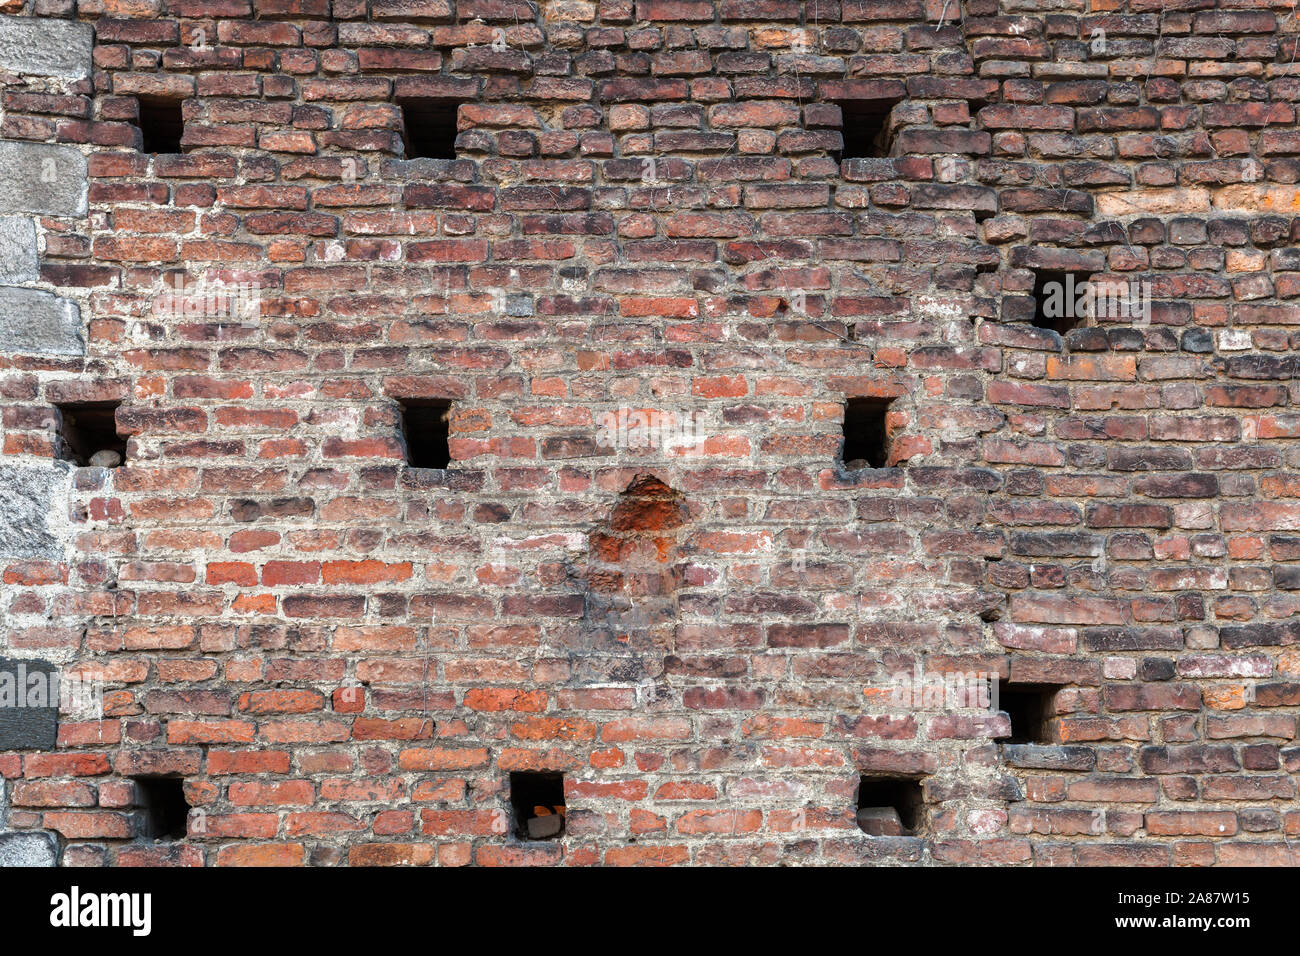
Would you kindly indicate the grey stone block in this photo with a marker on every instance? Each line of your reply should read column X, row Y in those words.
column 17, row 249
column 39, row 323
column 542, row 828
column 41, row 179
column 519, row 305
column 34, row 848
column 29, row 705
column 41, row 46
column 31, row 498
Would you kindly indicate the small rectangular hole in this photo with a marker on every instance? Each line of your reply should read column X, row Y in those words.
column 88, row 434
column 890, row 806
column 429, row 128
column 1056, row 300
column 1031, row 708
column 426, row 432
column 161, row 124
column 165, row 811
column 538, row 803
column 865, row 127
column 866, row 440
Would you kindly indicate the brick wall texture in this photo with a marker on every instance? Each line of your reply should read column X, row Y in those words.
column 344, row 657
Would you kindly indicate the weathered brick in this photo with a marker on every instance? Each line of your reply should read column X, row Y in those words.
column 646, row 285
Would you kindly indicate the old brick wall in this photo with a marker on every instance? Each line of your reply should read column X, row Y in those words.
column 344, row 657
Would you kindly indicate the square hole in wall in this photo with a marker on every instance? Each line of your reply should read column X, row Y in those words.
column 1056, row 300
column 164, row 810
column 865, row 127
column 429, row 128
column 88, row 434
column 161, row 124
column 425, row 432
column 890, row 806
column 1031, row 708
column 538, row 803
column 866, row 442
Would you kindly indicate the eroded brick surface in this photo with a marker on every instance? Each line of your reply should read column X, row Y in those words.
column 700, row 619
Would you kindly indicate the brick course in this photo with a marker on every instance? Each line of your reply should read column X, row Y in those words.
column 648, row 286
